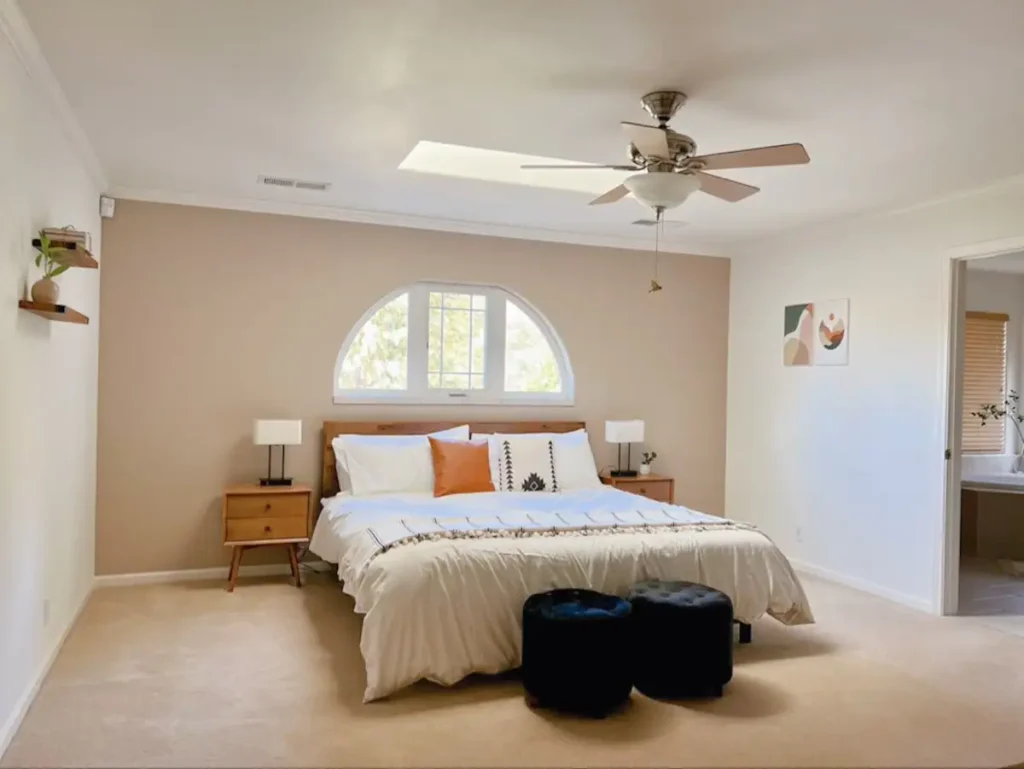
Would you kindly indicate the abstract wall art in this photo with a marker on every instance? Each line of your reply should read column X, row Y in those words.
column 817, row 334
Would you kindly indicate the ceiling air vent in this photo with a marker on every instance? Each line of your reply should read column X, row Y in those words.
column 278, row 181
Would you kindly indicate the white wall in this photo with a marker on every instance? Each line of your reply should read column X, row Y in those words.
column 1002, row 292
column 48, row 384
column 843, row 466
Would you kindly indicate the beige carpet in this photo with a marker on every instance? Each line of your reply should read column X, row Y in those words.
column 190, row 675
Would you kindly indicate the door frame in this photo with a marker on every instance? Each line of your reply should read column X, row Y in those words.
column 948, row 599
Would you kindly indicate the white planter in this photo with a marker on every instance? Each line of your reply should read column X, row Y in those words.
column 645, row 469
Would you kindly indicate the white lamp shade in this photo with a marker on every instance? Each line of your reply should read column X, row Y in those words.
column 626, row 431
column 277, row 432
column 662, row 189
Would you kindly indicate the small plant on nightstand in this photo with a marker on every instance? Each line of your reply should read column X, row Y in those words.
column 645, row 461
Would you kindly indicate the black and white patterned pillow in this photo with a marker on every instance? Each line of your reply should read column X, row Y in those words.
column 527, row 464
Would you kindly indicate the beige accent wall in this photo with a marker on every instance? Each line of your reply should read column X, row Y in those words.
column 212, row 318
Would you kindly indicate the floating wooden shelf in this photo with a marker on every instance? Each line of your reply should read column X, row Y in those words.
column 58, row 312
column 74, row 254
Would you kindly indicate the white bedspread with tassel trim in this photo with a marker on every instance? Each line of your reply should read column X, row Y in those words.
column 442, row 580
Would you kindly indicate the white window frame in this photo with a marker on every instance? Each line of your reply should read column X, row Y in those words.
column 493, row 392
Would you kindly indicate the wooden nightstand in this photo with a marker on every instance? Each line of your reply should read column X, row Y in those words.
column 256, row 516
column 660, row 488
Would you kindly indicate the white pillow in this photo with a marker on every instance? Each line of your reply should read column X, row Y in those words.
column 525, row 463
column 574, row 460
column 386, row 464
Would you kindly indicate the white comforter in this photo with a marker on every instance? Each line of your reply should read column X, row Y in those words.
column 442, row 581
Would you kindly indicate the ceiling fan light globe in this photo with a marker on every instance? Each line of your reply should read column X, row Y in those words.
column 662, row 189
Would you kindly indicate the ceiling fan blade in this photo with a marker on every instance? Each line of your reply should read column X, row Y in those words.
column 650, row 140
column 578, row 167
column 615, row 193
column 726, row 189
column 779, row 155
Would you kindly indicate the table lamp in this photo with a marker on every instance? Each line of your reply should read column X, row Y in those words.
column 276, row 432
column 626, row 431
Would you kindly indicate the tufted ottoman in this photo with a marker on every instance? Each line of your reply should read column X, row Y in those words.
column 682, row 639
column 576, row 647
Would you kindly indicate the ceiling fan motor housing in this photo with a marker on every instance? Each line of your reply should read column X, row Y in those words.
column 680, row 147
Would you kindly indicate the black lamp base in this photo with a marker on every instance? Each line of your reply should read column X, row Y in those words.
column 275, row 481
column 623, row 473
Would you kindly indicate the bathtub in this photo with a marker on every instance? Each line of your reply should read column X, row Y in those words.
column 990, row 472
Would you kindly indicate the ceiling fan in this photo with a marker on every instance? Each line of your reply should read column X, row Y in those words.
column 668, row 168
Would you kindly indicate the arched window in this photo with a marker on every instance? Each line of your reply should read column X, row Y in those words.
column 444, row 343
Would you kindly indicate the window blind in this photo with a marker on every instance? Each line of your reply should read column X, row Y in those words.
column 984, row 380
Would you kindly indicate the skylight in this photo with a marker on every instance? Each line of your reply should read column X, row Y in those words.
column 496, row 166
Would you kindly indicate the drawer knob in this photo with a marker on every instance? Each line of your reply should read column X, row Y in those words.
column 643, row 489
column 266, row 529
column 267, row 508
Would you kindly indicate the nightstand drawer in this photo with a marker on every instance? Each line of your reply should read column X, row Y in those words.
column 659, row 491
column 254, row 529
column 267, row 506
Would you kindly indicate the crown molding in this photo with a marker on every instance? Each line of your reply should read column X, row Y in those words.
column 15, row 28
column 389, row 219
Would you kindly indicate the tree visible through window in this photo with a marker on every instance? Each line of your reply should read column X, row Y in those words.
column 431, row 343
column 378, row 357
column 530, row 366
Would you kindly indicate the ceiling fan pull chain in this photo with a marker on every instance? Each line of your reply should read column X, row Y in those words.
column 658, row 222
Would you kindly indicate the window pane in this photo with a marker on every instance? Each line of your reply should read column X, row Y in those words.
column 455, row 381
column 530, row 365
column 455, row 352
column 433, row 380
column 379, row 355
column 434, row 341
column 479, row 302
column 479, row 320
column 476, row 381
column 457, row 301
column 435, row 298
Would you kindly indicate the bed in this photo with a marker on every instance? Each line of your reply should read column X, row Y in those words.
column 441, row 581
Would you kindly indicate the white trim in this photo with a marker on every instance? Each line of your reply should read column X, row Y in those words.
column 948, row 561
column 191, row 575
column 24, row 702
column 863, row 585
column 412, row 221
column 418, row 393
column 17, row 30
column 948, row 592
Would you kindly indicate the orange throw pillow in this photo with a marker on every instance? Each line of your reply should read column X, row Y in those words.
column 460, row 467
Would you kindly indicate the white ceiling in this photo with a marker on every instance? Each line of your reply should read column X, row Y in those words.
column 897, row 102
column 1010, row 264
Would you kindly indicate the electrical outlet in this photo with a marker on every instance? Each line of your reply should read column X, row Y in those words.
column 799, row 534
column 46, row 612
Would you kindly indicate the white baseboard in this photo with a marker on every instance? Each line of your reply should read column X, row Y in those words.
column 10, row 728
column 865, row 586
column 193, row 575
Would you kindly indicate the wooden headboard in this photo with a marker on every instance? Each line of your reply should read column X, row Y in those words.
column 328, row 473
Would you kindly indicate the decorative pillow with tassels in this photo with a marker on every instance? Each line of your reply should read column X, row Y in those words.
column 526, row 464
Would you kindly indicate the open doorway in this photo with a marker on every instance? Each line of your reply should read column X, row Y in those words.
column 989, row 388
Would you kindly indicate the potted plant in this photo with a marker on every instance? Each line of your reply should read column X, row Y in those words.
column 52, row 260
column 645, row 461
column 1008, row 409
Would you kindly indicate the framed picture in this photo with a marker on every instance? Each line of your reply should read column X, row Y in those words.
column 817, row 333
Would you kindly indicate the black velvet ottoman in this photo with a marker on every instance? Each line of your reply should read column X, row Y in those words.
column 576, row 646
column 682, row 639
